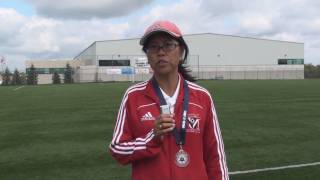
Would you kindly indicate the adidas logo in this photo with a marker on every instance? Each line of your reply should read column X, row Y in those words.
column 147, row 117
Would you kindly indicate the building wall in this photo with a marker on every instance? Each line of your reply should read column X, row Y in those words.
column 88, row 56
column 113, row 49
column 116, row 49
column 207, row 49
column 232, row 50
column 53, row 63
column 250, row 72
column 212, row 56
column 46, row 78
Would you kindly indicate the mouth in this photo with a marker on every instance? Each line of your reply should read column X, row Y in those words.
column 161, row 61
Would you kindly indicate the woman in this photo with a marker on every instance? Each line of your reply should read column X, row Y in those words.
column 167, row 127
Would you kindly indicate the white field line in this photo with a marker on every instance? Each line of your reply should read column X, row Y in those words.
column 274, row 168
column 18, row 88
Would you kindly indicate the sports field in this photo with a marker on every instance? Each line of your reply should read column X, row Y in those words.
column 63, row 131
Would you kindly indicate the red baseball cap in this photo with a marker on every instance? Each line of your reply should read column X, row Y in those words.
column 161, row 26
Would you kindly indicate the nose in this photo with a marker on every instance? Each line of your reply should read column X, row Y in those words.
column 161, row 50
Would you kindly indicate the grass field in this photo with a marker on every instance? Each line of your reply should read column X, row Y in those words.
column 63, row 131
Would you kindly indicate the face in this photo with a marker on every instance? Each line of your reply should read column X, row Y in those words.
column 164, row 54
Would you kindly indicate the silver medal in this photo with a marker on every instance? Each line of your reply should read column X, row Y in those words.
column 182, row 158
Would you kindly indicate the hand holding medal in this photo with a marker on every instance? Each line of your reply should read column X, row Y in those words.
column 164, row 123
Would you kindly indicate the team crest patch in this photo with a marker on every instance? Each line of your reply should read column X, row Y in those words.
column 193, row 123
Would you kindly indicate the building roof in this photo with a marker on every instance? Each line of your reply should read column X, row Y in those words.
column 215, row 34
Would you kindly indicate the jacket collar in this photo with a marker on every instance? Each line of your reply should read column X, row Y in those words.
column 151, row 93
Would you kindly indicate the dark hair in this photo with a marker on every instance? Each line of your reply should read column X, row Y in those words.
column 183, row 69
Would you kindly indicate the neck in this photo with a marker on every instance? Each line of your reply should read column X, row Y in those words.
column 168, row 83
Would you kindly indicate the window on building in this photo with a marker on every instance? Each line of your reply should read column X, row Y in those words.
column 290, row 61
column 48, row 70
column 282, row 61
column 122, row 62
column 58, row 70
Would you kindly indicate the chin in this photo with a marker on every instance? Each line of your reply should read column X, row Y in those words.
column 163, row 71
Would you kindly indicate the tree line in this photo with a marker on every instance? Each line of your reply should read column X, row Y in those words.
column 31, row 77
column 311, row 71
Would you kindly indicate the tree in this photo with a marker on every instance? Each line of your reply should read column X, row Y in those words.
column 318, row 71
column 32, row 76
column 23, row 77
column 6, row 77
column 56, row 78
column 16, row 78
column 311, row 71
column 68, row 74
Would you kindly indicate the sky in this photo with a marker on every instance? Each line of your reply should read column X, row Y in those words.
column 46, row 29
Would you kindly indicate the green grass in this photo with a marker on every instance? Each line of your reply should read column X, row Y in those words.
column 63, row 131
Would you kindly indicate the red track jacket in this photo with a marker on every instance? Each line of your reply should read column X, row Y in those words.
column 133, row 139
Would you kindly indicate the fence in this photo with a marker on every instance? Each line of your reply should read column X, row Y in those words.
column 101, row 74
column 249, row 72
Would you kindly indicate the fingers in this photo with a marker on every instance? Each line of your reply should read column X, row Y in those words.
column 164, row 124
column 165, row 118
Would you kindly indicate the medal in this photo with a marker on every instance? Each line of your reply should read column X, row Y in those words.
column 182, row 158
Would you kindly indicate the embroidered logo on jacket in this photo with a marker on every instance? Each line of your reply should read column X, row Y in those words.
column 147, row 117
column 193, row 123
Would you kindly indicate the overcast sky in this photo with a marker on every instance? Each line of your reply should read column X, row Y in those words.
column 44, row 29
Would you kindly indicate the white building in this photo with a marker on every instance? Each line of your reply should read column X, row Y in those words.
column 212, row 56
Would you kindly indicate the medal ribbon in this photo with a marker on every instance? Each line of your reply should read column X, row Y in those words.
column 178, row 134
